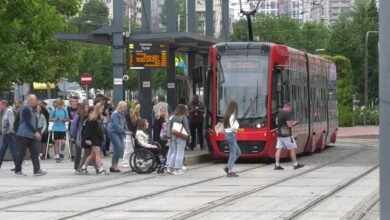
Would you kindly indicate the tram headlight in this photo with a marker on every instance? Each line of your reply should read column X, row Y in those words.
column 258, row 126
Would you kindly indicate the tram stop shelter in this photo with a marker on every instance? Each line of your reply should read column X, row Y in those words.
column 189, row 43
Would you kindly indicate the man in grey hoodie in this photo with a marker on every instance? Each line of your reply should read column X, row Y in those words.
column 8, row 132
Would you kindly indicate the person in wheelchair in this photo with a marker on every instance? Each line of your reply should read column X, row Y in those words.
column 142, row 140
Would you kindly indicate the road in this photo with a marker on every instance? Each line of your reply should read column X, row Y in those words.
column 341, row 182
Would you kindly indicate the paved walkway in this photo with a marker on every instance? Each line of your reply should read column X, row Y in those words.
column 341, row 182
column 358, row 131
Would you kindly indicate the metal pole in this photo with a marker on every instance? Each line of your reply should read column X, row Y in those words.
column 366, row 75
column 250, row 32
column 226, row 19
column 209, row 18
column 117, row 45
column 384, row 99
column 171, row 15
column 191, row 23
column 146, row 74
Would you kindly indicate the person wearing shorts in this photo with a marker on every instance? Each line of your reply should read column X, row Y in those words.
column 285, row 139
column 59, row 116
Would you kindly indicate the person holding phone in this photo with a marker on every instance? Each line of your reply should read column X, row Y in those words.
column 285, row 138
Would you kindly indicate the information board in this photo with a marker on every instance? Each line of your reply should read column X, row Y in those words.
column 152, row 55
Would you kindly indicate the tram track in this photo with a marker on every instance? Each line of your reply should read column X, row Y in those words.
column 246, row 193
column 156, row 193
column 322, row 198
column 218, row 202
column 76, row 192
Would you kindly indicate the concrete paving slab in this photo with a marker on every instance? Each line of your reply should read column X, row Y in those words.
column 248, row 215
column 131, row 215
column 164, row 203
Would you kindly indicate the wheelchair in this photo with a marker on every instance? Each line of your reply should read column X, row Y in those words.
column 147, row 160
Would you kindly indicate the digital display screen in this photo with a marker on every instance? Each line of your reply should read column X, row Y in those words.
column 241, row 65
column 152, row 55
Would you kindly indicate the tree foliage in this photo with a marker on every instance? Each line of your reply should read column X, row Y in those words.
column 348, row 39
column 286, row 30
column 93, row 16
column 97, row 61
column 29, row 52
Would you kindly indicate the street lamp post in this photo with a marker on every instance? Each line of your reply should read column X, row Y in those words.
column 366, row 75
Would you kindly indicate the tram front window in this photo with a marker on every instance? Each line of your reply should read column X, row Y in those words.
column 243, row 78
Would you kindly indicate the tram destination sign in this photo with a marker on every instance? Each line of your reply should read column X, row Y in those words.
column 151, row 55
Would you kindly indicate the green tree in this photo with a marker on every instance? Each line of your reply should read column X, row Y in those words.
column 67, row 8
column 348, row 39
column 29, row 52
column 93, row 16
column 97, row 60
column 345, row 89
column 314, row 36
column 309, row 36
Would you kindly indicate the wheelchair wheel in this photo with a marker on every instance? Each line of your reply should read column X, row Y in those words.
column 143, row 161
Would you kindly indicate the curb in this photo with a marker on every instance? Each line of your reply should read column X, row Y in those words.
column 361, row 136
column 196, row 159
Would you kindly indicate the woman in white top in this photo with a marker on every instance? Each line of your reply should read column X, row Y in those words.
column 231, row 126
column 143, row 140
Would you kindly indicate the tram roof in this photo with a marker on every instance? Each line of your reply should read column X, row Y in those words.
column 185, row 42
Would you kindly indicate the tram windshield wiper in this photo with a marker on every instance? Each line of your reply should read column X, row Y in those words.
column 250, row 107
column 254, row 102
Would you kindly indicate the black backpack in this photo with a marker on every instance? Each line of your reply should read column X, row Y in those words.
column 83, row 144
column 17, row 121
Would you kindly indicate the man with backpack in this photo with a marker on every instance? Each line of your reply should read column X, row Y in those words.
column 26, row 134
column 8, row 132
column 59, row 116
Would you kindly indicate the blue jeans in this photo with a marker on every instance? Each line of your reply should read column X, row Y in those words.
column 234, row 149
column 177, row 153
column 8, row 142
column 117, row 142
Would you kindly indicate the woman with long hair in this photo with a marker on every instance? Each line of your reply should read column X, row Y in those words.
column 75, row 132
column 133, row 117
column 177, row 144
column 160, row 127
column 231, row 126
column 42, row 126
column 144, row 141
column 131, row 120
column 117, row 130
column 93, row 138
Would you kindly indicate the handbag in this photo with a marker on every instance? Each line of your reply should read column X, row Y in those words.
column 219, row 128
column 179, row 131
column 163, row 132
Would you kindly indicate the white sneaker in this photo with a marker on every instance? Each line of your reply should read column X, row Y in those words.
column 178, row 172
column 183, row 168
column 169, row 170
column 125, row 165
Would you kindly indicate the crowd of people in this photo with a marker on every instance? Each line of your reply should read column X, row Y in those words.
column 29, row 129
column 95, row 131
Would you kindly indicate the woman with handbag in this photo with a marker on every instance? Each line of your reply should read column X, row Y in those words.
column 117, row 130
column 177, row 133
column 231, row 126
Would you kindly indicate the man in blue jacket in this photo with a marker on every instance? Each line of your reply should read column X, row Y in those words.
column 25, row 137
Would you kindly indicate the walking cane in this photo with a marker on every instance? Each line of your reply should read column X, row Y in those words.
column 47, row 144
